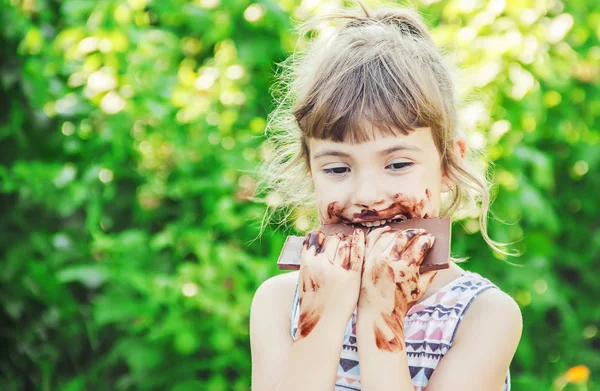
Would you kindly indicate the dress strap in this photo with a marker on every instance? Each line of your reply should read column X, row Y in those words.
column 468, row 288
column 295, row 308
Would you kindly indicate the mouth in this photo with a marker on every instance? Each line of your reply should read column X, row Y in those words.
column 376, row 221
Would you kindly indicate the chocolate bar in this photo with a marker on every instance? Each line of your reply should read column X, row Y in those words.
column 436, row 258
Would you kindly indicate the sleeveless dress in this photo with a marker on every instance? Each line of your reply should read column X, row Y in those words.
column 429, row 327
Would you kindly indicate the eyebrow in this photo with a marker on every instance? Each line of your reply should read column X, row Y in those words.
column 387, row 151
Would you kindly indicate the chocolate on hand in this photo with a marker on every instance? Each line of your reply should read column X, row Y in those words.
column 391, row 283
column 329, row 279
column 436, row 258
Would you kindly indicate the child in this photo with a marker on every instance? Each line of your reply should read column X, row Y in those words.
column 367, row 129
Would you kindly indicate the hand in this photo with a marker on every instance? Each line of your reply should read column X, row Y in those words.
column 391, row 282
column 330, row 273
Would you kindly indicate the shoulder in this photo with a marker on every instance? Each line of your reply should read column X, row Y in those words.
column 485, row 344
column 274, row 297
column 492, row 313
column 282, row 284
column 270, row 330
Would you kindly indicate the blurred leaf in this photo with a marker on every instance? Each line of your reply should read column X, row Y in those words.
column 90, row 276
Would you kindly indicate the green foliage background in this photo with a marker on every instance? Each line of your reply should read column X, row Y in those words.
column 127, row 132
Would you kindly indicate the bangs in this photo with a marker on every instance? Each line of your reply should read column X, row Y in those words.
column 392, row 94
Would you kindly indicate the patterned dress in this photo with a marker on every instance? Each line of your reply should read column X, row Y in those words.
column 429, row 327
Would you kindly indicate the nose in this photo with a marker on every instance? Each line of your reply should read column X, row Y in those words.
column 368, row 191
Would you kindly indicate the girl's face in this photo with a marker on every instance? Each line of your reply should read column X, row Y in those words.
column 393, row 177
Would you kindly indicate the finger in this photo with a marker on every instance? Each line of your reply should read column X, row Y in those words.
column 382, row 270
column 402, row 241
column 357, row 250
column 398, row 242
column 311, row 247
column 426, row 279
column 344, row 252
column 331, row 246
column 306, row 250
column 415, row 251
column 308, row 282
column 315, row 239
column 406, row 236
column 374, row 236
column 304, row 255
column 383, row 242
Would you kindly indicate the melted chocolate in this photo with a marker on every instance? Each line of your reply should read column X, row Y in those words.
column 335, row 211
column 351, row 252
column 316, row 239
column 308, row 319
column 357, row 251
column 404, row 207
column 410, row 248
column 306, row 323
column 343, row 253
column 396, row 344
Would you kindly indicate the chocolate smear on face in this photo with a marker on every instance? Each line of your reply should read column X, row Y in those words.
column 335, row 213
column 403, row 208
column 408, row 206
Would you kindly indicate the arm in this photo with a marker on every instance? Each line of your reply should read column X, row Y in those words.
column 279, row 363
column 314, row 360
column 390, row 286
column 380, row 369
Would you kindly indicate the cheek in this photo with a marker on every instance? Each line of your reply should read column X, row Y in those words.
column 432, row 201
column 328, row 190
column 332, row 203
column 324, row 197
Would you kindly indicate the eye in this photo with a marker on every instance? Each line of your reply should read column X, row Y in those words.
column 399, row 166
column 336, row 170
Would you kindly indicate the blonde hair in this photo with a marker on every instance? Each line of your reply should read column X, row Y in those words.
column 380, row 66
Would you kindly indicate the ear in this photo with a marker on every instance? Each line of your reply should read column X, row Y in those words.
column 460, row 147
column 460, row 151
